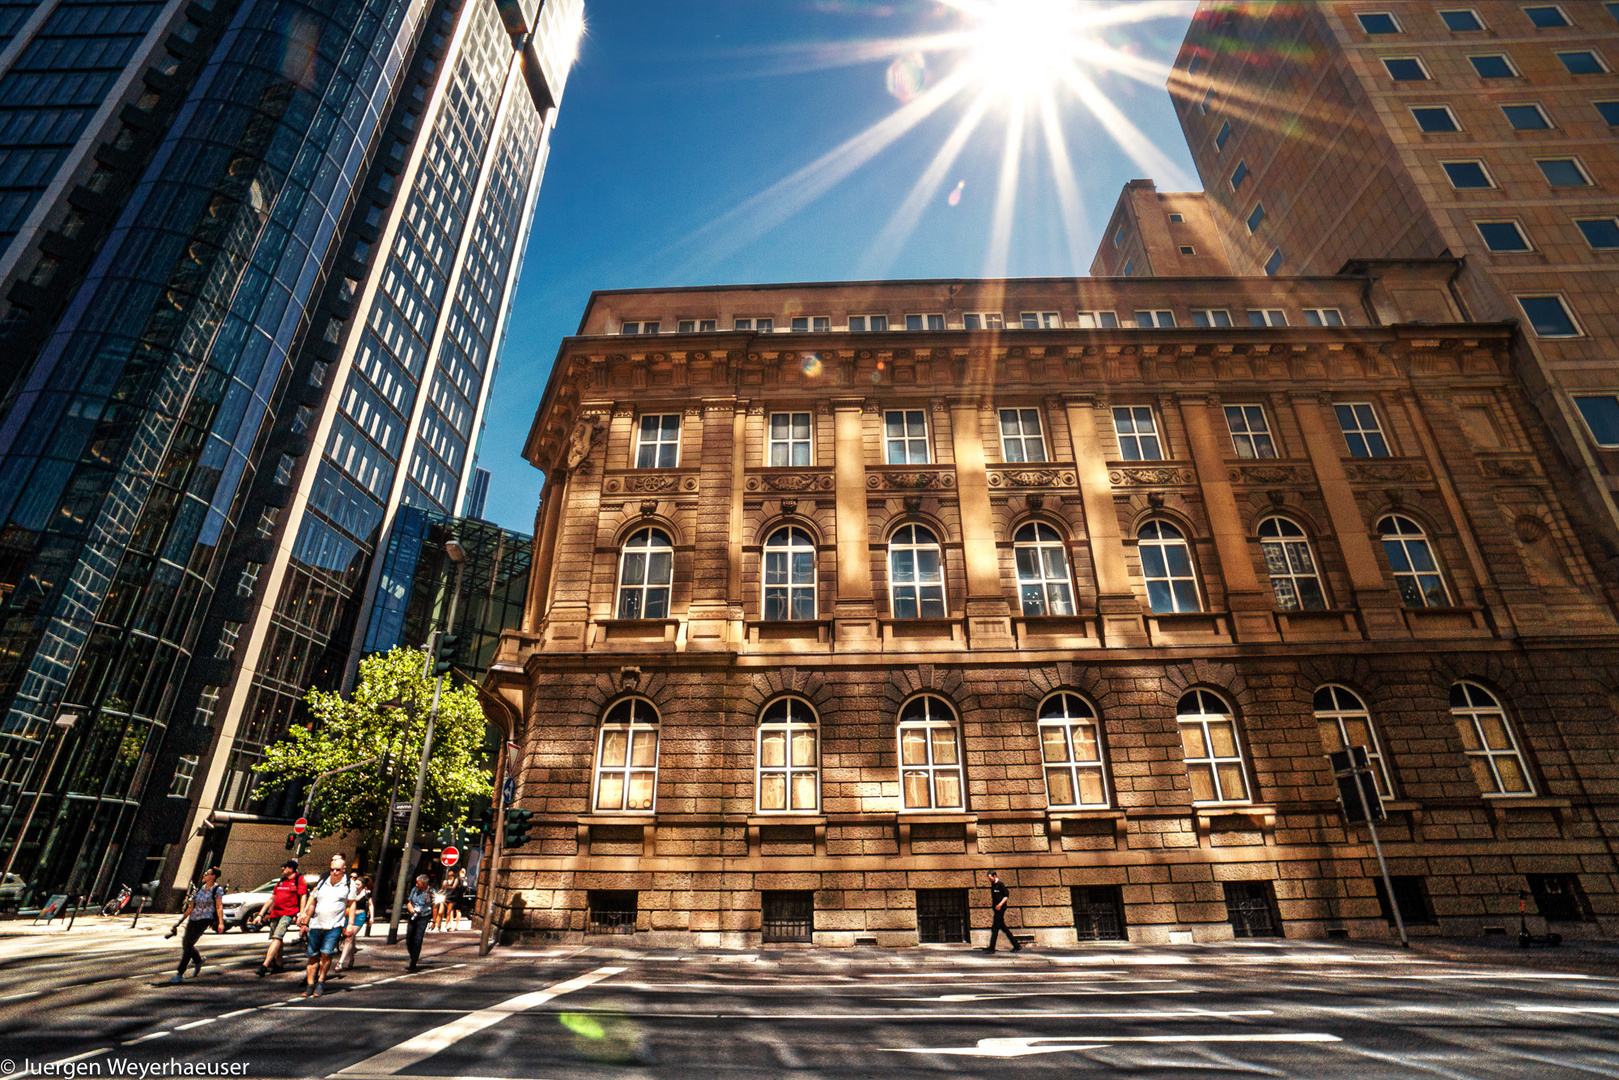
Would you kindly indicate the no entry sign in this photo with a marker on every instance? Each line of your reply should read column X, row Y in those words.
column 449, row 857
column 300, row 825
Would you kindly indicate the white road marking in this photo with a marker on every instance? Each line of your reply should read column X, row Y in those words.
column 30, row 994
column 81, row 1057
column 1005, row 1048
column 1042, row 993
column 419, row 1048
column 239, row 1012
column 1601, row 1010
column 198, row 1023
column 364, row 1009
column 148, row 1038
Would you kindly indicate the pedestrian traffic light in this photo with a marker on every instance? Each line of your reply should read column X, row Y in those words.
column 292, row 841
column 444, row 649
column 485, row 822
column 303, row 844
column 516, row 828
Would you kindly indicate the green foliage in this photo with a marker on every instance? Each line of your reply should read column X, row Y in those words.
column 376, row 719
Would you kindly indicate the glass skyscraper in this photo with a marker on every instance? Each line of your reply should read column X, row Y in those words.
column 255, row 260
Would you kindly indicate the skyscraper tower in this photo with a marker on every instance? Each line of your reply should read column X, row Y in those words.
column 255, row 258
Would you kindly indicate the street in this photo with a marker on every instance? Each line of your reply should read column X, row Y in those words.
column 99, row 998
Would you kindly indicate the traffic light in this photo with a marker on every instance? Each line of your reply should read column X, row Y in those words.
column 292, row 841
column 484, row 824
column 444, row 648
column 516, row 828
column 303, row 844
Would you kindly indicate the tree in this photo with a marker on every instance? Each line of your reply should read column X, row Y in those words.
column 386, row 714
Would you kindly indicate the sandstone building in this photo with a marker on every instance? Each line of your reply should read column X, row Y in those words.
column 845, row 593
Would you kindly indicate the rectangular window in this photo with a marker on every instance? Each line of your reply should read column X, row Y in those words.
column 610, row 911
column 1613, row 9
column 1207, row 102
column 659, row 445
column 1435, row 119
column 1493, row 66
column 1146, row 320
column 1601, row 233
column 1267, row 317
column 905, row 431
column 1118, row 237
column 1176, row 218
column 1361, row 430
column 1405, row 69
column 1378, row 22
column 1546, row 16
column 1609, row 111
column 1041, row 320
column 1256, row 217
column 1325, row 316
column 1410, row 894
column 789, row 439
column 1461, row 20
column 941, row 916
column 1098, row 320
column 1238, row 175
column 1466, row 174
column 803, row 324
column 1526, row 117
column 1098, row 912
column 787, row 916
column 1549, row 316
column 1563, row 172
column 1250, row 432
column 1021, row 437
column 1129, row 264
column 1211, row 317
column 1188, row 249
column 862, row 323
column 686, row 326
column 1220, row 139
column 1502, row 235
column 1273, row 265
column 185, row 770
column 639, row 328
column 924, row 322
column 1138, row 433
column 1601, row 414
column 1251, row 908
column 982, row 320
column 1558, row 897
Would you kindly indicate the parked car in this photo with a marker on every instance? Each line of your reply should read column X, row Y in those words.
column 241, row 908
column 11, row 890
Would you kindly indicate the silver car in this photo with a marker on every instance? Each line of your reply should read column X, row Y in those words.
column 241, row 908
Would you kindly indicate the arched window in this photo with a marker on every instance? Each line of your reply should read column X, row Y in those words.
column 1411, row 559
column 1071, row 746
column 1042, row 571
column 789, row 575
column 1344, row 722
column 646, row 569
column 1213, row 752
column 915, row 574
column 627, row 757
column 1166, row 564
column 789, row 758
column 929, row 755
column 1487, row 736
column 1291, row 565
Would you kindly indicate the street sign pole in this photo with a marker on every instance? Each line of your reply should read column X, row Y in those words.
column 1363, row 803
column 1388, row 882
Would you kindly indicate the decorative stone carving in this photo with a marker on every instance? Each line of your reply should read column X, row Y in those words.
column 1141, row 477
column 1507, row 468
column 1155, row 499
column 789, row 482
column 652, row 482
column 789, row 506
column 1036, row 502
column 1030, row 478
column 1268, row 474
column 1374, row 472
column 913, row 504
column 586, row 434
column 910, row 481
column 649, row 507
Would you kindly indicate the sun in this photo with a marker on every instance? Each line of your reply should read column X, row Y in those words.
column 1020, row 48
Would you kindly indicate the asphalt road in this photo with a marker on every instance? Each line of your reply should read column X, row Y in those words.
column 1285, row 1009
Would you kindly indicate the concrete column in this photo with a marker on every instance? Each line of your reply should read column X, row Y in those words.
column 1118, row 610
column 545, row 543
column 989, row 615
column 853, row 610
column 718, row 553
column 1249, row 602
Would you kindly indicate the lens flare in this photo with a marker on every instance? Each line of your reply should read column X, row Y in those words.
column 908, row 77
column 811, row 366
column 955, row 194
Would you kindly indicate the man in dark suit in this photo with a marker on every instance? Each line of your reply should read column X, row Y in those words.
column 999, row 897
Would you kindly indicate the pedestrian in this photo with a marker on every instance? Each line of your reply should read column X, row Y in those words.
column 286, row 900
column 326, row 911
column 420, row 903
column 363, row 915
column 456, row 887
column 464, row 892
column 441, row 901
column 204, row 908
column 999, row 897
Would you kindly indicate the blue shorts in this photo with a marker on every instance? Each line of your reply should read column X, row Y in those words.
column 359, row 920
column 324, row 941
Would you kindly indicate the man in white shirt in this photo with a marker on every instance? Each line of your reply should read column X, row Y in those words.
column 326, row 911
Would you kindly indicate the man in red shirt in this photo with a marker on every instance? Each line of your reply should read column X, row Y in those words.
column 280, row 913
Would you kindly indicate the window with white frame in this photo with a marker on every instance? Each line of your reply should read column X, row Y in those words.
column 929, row 755
column 1546, row 16
column 1344, row 722
column 638, row 328
column 1211, row 317
column 185, row 771
column 1502, row 236
column 1526, row 116
column 1601, row 413
column 763, row 326
column 1213, row 751
column 1405, row 69
column 1465, row 175
column 803, row 324
column 915, row 574
column 1410, row 557
column 1434, row 119
column 1323, row 316
column 1098, row 320
column 789, row 439
column 1489, row 741
column 1583, row 62
column 1166, row 566
column 1146, row 320
column 789, row 575
column 697, row 326
column 1362, row 433
column 983, row 320
column 1378, row 22
column 627, row 758
column 1461, row 20
column 1250, row 431
column 862, row 323
column 658, row 442
column 1601, row 233
column 1291, row 566
column 1267, row 317
column 1042, row 571
column 1071, row 747
column 1041, row 320
column 646, row 572
column 924, row 322
column 1563, row 172
column 1273, row 265
column 1548, row 315
column 789, row 758
column 1021, row 437
column 1493, row 66
column 905, row 435
column 1137, row 430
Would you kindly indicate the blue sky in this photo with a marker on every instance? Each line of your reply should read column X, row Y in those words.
column 698, row 144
